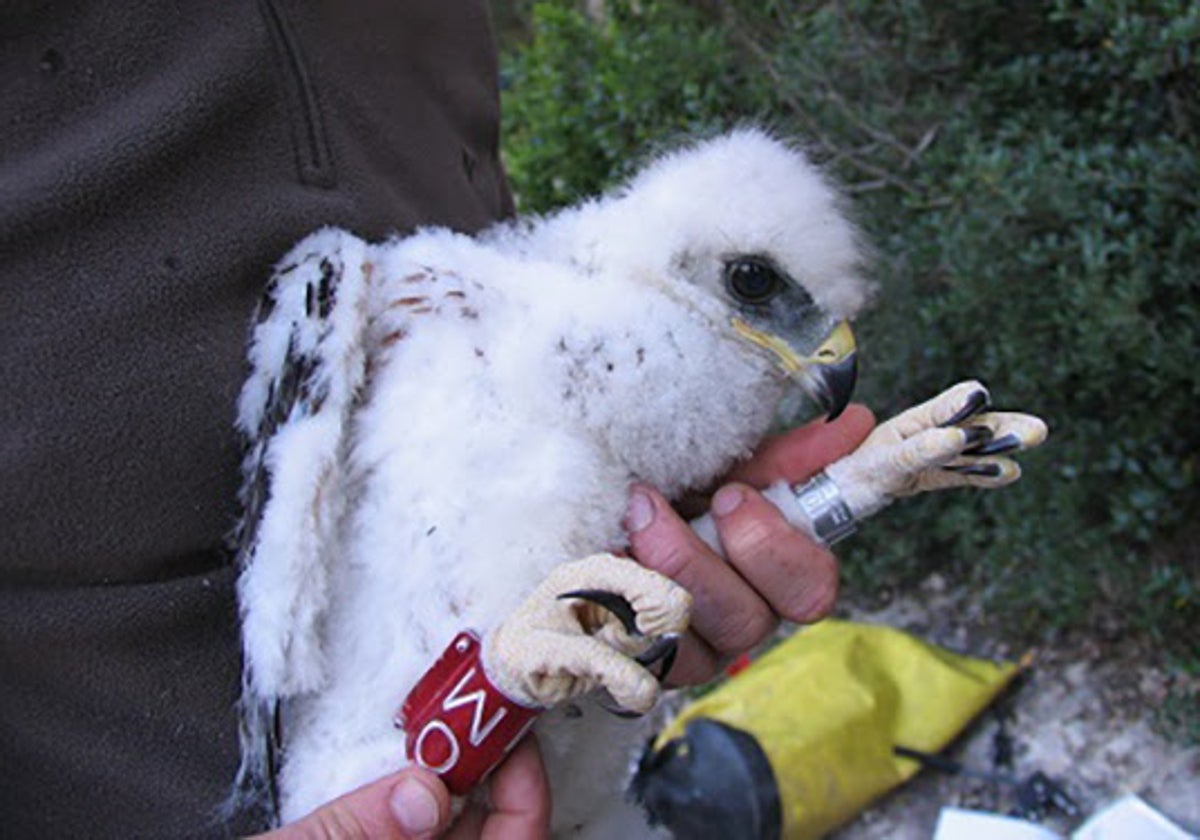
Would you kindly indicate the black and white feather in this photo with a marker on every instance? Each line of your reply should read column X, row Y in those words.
column 308, row 363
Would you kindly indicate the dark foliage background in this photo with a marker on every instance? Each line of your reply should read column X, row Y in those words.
column 1029, row 174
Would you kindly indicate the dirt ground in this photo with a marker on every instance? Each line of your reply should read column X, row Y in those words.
column 1083, row 715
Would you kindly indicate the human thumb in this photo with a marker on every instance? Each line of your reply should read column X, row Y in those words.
column 410, row 805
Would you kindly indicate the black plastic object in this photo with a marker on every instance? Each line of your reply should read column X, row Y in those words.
column 714, row 783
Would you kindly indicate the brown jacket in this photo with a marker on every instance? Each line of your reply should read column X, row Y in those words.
column 157, row 158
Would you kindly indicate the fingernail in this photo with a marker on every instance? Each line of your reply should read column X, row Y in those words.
column 640, row 512
column 727, row 500
column 414, row 807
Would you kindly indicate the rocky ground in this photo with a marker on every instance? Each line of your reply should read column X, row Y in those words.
column 1083, row 715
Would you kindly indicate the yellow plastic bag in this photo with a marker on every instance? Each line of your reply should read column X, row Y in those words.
column 825, row 709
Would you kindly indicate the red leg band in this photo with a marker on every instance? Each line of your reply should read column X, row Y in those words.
column 456, row 722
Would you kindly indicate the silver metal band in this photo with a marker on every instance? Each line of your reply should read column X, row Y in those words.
column 822, row 502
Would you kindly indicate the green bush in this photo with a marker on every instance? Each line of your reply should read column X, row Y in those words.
column 1047, row 242
column 585, row 101
column 1030, row 176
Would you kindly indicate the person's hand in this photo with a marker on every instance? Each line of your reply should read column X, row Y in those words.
column 414, row 803
column 773, row 570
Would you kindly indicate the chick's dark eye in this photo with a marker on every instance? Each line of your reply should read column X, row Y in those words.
column 752, row 281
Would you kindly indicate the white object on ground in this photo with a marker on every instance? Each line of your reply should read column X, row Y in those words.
column 1128, row 818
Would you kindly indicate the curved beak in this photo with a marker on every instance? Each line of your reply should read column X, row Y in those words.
column 828, row 375
column 832, row 371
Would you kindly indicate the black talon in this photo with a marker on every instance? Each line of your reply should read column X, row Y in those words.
column 609, row 704
column 985, row 470
column 976, row 403
column 617, row 711
column 616, row 604
column 1000, row 445
column 976, row 436
column 664, row 650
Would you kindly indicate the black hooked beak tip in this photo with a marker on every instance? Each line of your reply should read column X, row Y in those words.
column 836, row 383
